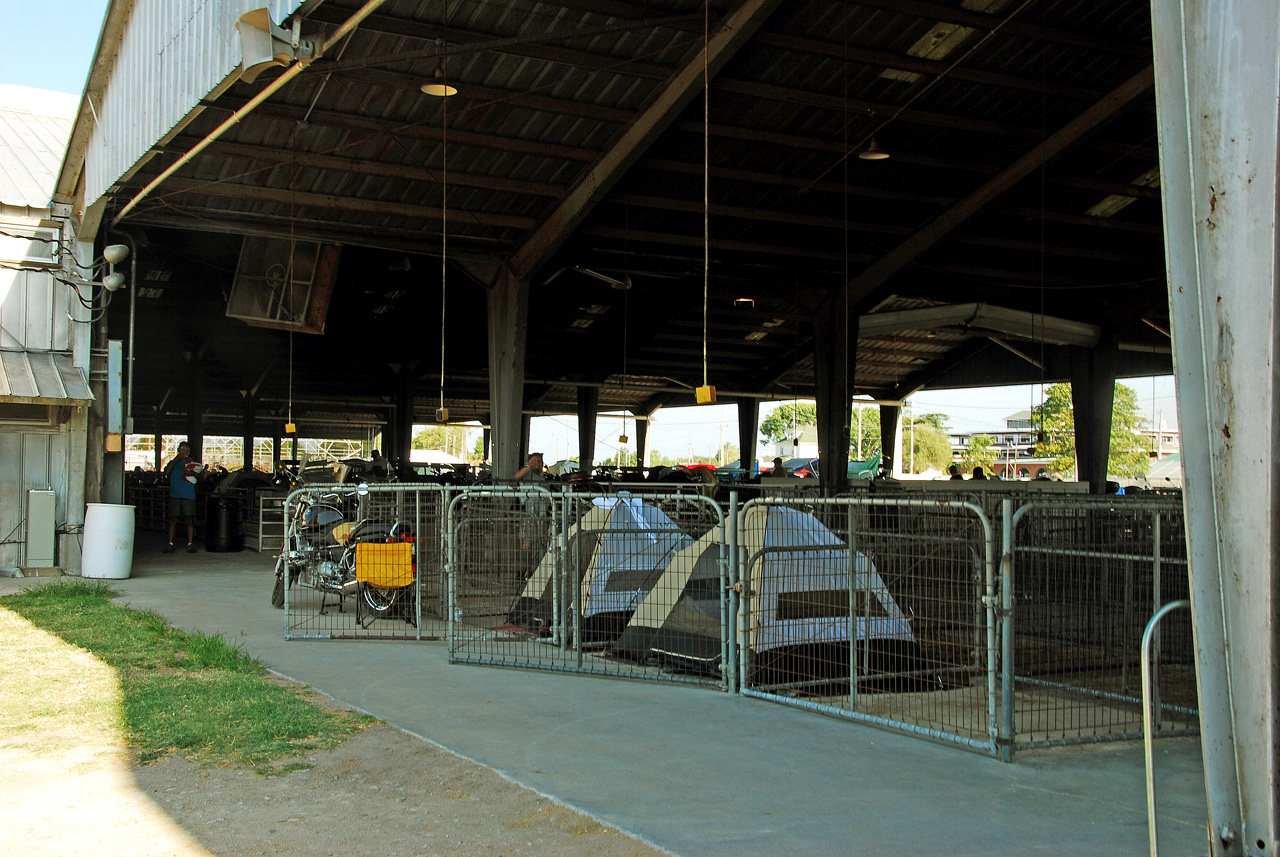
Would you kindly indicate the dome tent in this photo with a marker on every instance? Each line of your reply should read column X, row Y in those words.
column 619, row 548
column 797, row 573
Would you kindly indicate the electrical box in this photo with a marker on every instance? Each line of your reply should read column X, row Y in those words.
column 41, row 508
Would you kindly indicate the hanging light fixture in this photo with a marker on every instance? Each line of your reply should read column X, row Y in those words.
column 441, row 89
column 873, row 152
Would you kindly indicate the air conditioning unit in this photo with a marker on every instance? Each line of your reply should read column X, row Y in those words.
column 284, row 284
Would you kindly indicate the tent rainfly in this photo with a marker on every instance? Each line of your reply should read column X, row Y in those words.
column 797, row 574
column 616, row 552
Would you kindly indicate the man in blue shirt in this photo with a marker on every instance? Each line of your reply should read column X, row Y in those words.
column 181, row 473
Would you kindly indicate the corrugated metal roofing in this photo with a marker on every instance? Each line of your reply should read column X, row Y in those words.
column 42, row 378
column 34, row 127
column 351, row 152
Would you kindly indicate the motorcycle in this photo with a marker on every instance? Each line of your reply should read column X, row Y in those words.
column 320, row 550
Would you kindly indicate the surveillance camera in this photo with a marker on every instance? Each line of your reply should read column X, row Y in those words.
column 115, row 253
column 111, row 282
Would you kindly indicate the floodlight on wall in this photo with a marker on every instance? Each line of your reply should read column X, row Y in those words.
column 873, row 152
column 114, row 254
column 264, row 45
column 744, row 303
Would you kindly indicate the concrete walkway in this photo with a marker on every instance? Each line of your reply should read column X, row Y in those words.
column 693, row 770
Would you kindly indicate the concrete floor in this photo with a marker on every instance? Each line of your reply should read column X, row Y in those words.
column 692, row 770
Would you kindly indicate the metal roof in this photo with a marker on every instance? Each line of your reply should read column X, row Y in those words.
column 34, row 127
column 42, row 378
column 1022, row 143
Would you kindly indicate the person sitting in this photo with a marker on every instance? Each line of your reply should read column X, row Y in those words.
column 979, row 474
column 954, row 470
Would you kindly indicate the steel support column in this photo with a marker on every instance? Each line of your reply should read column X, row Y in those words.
column 834, row 335
column 588, row 405
column 642, row 443
column 1093, row 392
column 891, row 438
column 248, row 430
column 406, row 384
column 748, row 428
column 508, row 303
column 1217, row 91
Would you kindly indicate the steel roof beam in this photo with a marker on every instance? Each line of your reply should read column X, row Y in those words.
column 736, row 30
column 984, row 21
column 861, row 286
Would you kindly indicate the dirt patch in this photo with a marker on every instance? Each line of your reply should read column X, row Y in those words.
column 72, row 787
column 381, row 793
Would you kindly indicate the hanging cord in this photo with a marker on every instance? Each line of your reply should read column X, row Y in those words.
column 706, row 180
column 916, row 97
column 444, row 210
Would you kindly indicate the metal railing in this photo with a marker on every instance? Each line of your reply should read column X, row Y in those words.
column 365, row 563
column 589, row 582
column 889, row 608
column 879, row 610
column 1084, row 577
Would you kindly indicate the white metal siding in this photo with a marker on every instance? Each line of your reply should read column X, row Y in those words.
column 172, row 54
column 41, row 459
column 33, row 314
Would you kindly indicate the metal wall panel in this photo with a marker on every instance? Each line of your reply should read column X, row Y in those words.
column 36, row 459
column 172, row 54
column 33, row 311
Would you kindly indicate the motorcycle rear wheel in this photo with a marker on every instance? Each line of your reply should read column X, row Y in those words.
column 377, row 601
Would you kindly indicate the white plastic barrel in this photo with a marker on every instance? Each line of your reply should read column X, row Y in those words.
column 108, row 541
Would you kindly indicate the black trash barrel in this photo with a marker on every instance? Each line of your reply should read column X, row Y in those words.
column 222, row 525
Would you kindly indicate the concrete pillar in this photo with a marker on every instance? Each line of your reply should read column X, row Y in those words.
column 508, row 305
column 486, row 449
column 748, row 431
column 526, row 422
column 1217, row 95
column 275, row 447
column 1093, row 392
column 891, row 437
column 834, row 335
column 588, row 405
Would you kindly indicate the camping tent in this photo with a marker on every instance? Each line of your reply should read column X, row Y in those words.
column 797, row 574
column 615, row 553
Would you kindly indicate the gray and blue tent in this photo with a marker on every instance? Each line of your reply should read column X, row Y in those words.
column 796, row 576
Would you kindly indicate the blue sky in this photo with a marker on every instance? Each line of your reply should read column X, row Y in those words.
column 50, row 44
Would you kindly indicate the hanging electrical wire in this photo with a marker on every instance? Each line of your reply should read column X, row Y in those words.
column 706, row 181
column 442, row 414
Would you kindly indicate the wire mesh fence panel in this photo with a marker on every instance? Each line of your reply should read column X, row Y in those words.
column 363, row 562
column 569, row 581
column 1087, row 577
column 875, row 609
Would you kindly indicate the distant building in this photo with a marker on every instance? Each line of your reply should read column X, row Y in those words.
column 1015, row 446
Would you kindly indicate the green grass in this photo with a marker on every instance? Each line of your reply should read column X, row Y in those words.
column 182, row 692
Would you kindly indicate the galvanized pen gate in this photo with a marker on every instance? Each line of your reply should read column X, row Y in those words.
column 554, row 582
column 998, row 624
